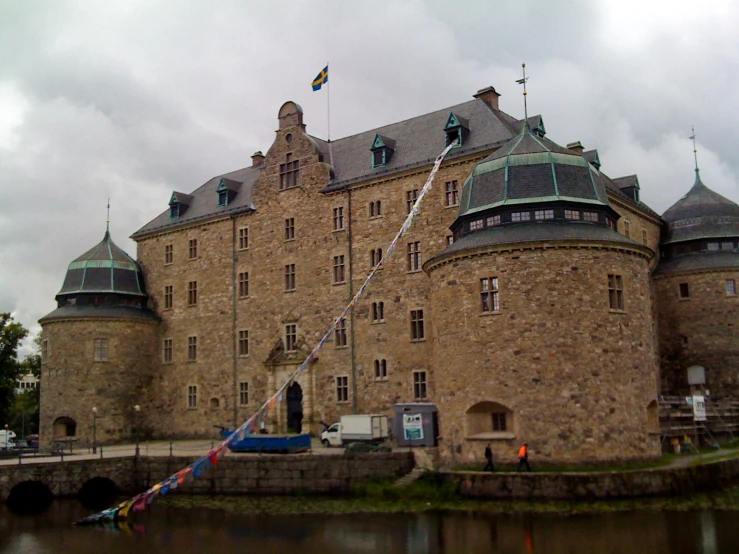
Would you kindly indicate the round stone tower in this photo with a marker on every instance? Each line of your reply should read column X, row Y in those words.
column 97, row 350
column 696, row 284
column 542, row 320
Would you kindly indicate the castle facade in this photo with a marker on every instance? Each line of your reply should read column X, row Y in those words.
column 534, row 299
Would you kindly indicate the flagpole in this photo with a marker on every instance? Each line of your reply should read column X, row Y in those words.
column 328, row 104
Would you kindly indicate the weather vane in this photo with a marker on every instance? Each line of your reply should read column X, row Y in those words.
column 523, row 82
column 695, row 150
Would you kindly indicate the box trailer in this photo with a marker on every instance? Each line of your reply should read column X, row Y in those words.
column 356, row 428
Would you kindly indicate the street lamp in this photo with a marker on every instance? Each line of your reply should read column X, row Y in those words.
column 94, row 430
column 137, row 409
column 6, row 436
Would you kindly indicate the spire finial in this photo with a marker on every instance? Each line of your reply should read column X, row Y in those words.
column 107, row 221
column 695, row 155
column 523, row 82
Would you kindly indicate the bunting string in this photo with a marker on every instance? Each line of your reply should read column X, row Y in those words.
column 198, row 467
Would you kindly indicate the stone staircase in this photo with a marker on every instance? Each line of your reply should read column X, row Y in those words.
column 424, row 461
column 409, row 478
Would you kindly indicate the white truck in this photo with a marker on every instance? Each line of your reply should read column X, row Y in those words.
column 7, row 439
column 356, row 428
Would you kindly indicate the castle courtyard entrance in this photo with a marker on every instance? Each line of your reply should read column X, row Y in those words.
column 294, row 408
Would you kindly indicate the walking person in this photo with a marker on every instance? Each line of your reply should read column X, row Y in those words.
column 523, row 458
column 489, row 457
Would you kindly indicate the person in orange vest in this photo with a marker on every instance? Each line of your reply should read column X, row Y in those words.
column 523, row 457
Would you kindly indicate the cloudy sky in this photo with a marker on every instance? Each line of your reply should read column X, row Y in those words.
column 133, row 99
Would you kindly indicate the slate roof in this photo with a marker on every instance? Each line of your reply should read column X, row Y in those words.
column 536, row 231
column 204, row 201
column 529, row 168
column 699, row 260
column 418, row 141
column 626, row 182
column 106, row 312
column 105, row 268
column 701, row 213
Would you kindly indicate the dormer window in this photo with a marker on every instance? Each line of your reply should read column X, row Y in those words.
column 382, row 150
column 178, row 204
column 227, row 190
column 456, row 129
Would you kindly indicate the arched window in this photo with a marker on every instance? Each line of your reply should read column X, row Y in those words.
column 378, row 312
column 375, row 257
column 490, row 420
column 653, row 417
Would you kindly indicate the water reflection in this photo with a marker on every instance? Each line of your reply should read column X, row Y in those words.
column 185, row 531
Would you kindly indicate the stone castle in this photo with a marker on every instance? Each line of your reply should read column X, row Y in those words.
column 535, row 299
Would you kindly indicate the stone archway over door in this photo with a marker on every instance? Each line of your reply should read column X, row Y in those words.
column 64, row 427
column 295, row 408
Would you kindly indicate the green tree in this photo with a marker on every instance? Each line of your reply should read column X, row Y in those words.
column 24, row 412
column 11, row 335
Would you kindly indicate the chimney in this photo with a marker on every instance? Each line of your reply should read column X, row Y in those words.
column 576, row 147
column 489, row 96
column 257, row 158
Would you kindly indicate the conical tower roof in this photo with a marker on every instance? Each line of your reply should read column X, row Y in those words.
column 701, row 214
column 105, row 268
column 531, row 169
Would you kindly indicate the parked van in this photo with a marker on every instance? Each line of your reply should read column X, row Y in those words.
column 7, row 439
column 356, row 428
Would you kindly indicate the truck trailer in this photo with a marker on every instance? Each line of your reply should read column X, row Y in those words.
column 356, row 428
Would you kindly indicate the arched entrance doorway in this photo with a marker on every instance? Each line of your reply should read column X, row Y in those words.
column 64, row 427
column 294, row 408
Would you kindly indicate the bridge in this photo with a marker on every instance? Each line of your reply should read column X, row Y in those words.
column 104, row 476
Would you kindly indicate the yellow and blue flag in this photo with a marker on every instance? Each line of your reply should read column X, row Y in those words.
column 320, row 79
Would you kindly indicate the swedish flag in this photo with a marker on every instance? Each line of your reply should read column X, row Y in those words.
column 321, row 78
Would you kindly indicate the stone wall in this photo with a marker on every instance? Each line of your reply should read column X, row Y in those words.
column 72, row 382
column 596, row 485
column 572, row 377
column 700, row 330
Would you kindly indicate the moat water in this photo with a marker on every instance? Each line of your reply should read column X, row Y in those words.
column 179, row 530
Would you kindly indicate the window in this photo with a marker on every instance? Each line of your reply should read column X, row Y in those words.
column 291, row 336
column 192, row 348
column 338, row 269
column 610, row 223
column 192, row 250
column 378, row 157
column 449, row 240
column 375, row 257
column 378, row 312
column 493, row 221
column 417, row 332
column 476, row 225
column 381, row 370
column 644, row 236
column 243, row 238
column 569, row 214
column 452, row 194
column 167, row 351
column 168, row 297
column 489, row 294
column 684, row 290
column 410, row 198
column 289, row 174
column 243, row 393
column 338, row 219
column 419, row 385
column 543, row 214
column 244, row 342
column 101, row 350
column 499, row 422
column 168, row 254
column 590, row 216
column 192, row 396
column 342, row 388
column 730, row 287
column 290, row 228
column 290, row 277
column 627, row 229
column 243, row 284
column 414, row 256
column 192, row 293
column 45, row 351
column 375, row 208
column 684, row 340
column 521, row 216
column 340, row 333
column 615, row 292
